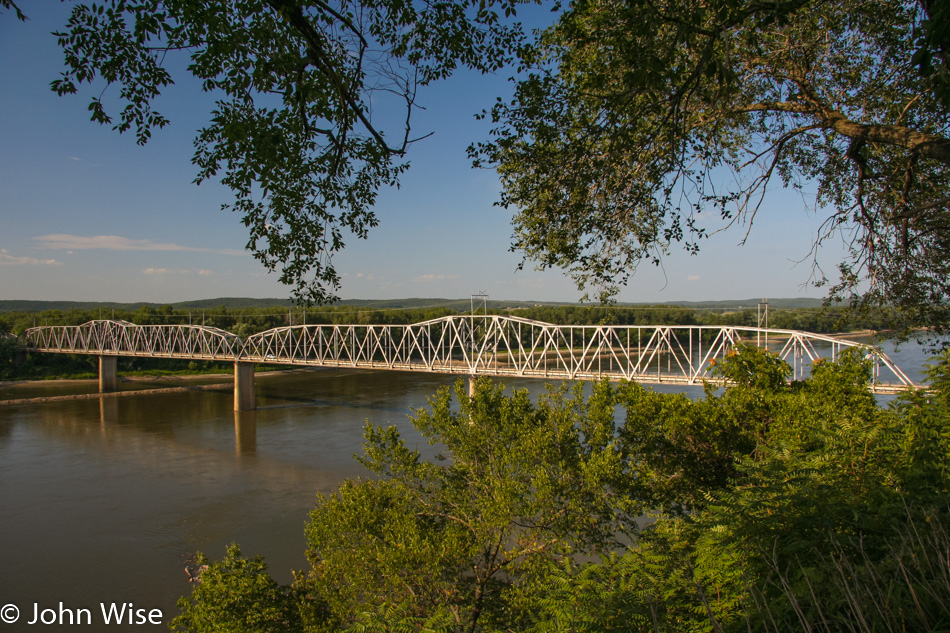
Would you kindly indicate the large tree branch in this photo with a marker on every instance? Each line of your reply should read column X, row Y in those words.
column 316, row 51
column 924, row 144
column 913, row 213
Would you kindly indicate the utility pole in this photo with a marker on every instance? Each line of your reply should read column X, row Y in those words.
column 483, row 297
column 763, row 312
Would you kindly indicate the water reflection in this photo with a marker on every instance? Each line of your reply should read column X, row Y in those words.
column 245, row 432
column 115, row 493
column 108, row 412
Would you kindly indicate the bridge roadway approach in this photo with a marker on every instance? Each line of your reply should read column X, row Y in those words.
column 479, row 345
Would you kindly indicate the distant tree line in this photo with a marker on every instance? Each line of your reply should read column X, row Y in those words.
column 818, row 320
column 247, row 321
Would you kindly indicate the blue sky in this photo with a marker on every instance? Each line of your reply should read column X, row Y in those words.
column 88, row 215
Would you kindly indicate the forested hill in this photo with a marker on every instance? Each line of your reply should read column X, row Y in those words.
column 19, row 305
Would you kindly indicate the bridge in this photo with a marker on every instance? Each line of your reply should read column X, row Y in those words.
column 468, row 345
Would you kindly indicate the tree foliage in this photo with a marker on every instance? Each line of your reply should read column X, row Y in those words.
column 637, row 120
column 314, row 101
column 766, row 506
column 833, row 517
column 448, row 540
column 10, row 5
column 237, row 594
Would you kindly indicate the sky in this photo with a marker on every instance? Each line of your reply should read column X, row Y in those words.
column 88, row 215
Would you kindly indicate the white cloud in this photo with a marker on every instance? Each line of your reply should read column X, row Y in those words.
column 692, row 278
column 432, row 278
column 156, row 272
column 65, row 241
column 9, row 260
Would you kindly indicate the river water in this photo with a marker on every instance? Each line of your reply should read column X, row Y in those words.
column 103, row 500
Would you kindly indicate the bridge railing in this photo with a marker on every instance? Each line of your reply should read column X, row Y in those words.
column 121, row 338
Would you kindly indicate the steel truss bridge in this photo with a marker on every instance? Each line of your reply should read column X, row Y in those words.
column 474, row 345
column 121, row 338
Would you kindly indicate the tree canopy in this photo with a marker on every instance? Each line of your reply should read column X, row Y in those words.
column 630, row 122
column 314, row 101
column 633, row 120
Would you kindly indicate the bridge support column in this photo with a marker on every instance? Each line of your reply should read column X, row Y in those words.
column 108, row 374
column 244, row 386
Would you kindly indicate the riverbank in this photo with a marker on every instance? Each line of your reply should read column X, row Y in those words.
column 127, row 378
column 116, row 394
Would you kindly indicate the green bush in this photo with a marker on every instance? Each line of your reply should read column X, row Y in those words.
column 767, row 507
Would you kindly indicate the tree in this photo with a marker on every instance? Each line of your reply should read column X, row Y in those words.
column 834, row 518
column 634, row 118
column 314, row 101
column 447, row 543
column 237, row 594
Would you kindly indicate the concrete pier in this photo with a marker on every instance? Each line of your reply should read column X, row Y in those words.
column 108, row 374
column 244, row 386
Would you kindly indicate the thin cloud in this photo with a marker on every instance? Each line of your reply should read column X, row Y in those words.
column 692, row 278
column 158, row 272
column 6, row 259
column 432, row 278
column 65, row 241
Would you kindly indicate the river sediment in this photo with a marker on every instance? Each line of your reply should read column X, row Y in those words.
column 117, row 394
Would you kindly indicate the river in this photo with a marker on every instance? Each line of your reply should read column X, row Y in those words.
column 102, row 501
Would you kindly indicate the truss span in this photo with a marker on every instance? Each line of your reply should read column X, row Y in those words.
column 510, row 346
column 121, row 338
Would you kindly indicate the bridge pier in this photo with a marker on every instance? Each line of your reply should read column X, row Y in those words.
column 244, row 386
column 108, row 374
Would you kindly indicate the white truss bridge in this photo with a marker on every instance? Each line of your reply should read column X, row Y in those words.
column 479, row 345
column 121, row 338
